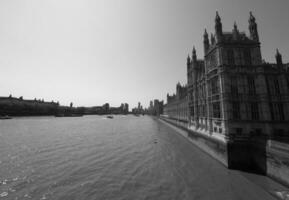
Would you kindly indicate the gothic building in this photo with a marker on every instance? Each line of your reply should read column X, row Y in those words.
column 232, row 93
column 177, row 105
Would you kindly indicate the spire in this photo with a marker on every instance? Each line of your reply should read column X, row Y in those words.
column 253, row 28
column 194, row 55
column 218, row 27
column 278, row 57
column 206, row 41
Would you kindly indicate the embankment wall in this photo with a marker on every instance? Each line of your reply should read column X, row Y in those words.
column 268, row 156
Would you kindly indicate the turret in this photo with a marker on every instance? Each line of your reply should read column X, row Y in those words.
column 218, row 27
column 253, row 28
column 235, row 31
column 194, row 55
column 206, row 41
column 188, row 61
column 278, row 57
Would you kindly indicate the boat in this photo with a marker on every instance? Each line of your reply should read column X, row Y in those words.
column 109, row 117
column 5, row 117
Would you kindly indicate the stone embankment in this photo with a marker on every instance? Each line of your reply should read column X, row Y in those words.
column 268, row 156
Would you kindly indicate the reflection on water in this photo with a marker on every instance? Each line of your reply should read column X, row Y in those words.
column 93, row 157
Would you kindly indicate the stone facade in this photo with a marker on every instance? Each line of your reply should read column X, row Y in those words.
column 237, row 104
column 233, row 94
column 177, row 105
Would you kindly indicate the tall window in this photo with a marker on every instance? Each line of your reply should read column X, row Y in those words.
column 204, row 110
column 254, row 111
column 231, row 58
column 214, row 85
column 236, row 110
column 247, row 57
column 276, row 86
column 277, row 112
column 192, row 95
column 281, row 111
column 251, row 86
column 216, row 110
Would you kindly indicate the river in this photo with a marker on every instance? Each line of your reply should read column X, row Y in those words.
column 125, row 158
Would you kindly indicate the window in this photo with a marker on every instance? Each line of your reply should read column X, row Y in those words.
column 281, row 111
column 276, row 86
column 258, row 131
column 236, row 110
column 247, row 57
column 239, row 131
column 220, row 130
column 278, row 132
column 277, row 112
column 216, row 110
column 214, row 85
column 204, row 110
column 251, row 86
column 231, row 59
column 254, row 111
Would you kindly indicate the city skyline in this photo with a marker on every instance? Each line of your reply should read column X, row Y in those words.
column 93, row 52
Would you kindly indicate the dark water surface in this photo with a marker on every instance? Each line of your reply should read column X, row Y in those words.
column 123, row 158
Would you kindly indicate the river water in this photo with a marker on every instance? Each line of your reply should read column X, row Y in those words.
column 125, row 158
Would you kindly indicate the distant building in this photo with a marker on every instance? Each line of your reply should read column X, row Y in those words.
column 106, row 108
column 232, row 93
column 177, row 104
column 122, row 109
column 158, row 107
column 138, row 110
column 26, row 107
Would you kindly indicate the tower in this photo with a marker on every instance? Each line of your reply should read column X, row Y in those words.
column 218, row 27
column 194, row 55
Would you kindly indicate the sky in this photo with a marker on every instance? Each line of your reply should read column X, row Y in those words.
column 90, row 52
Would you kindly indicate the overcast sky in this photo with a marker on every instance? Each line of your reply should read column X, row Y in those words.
column 96, row 51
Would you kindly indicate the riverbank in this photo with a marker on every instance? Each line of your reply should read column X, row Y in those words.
column 258, row 155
